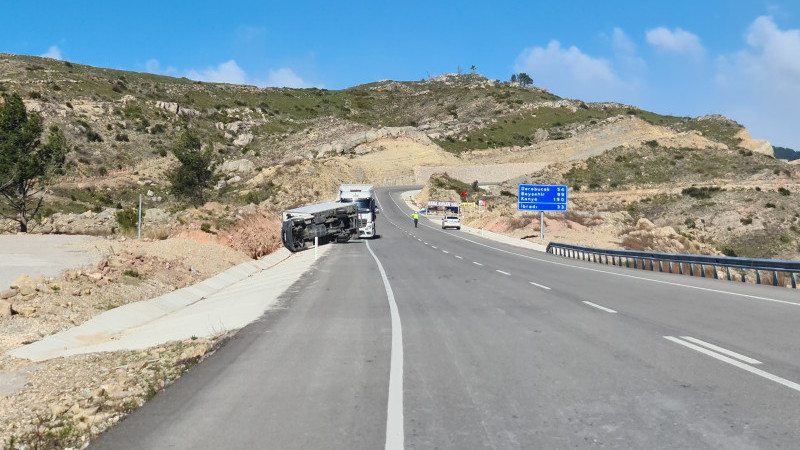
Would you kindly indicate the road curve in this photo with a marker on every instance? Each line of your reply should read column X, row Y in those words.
column 501, row 347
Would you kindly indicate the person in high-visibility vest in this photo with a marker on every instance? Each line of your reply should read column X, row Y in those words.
column 415, row 216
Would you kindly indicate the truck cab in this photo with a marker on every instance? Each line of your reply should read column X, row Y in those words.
column 364, row 196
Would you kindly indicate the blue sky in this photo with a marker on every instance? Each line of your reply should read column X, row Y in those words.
column 737, row 58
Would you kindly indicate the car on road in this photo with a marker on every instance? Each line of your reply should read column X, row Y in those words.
column 451, row 222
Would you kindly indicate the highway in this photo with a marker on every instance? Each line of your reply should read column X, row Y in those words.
column 432, row 339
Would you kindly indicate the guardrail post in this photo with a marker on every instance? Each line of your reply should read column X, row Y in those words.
column 794, row 282
column 670, row 266
column 634, row 263
column 651, row 265
column 627, row 262
column 680, row 268
column 758, row 276
column 660, row 266
column 728, row 270
column 774, row 277
column 743, row 276
column 702, row 271
column 716, row 277
column 691, row 269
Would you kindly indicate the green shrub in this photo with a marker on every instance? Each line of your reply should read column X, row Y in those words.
column 770, row 205
column 122, row 137
column 93, row 136
column 133, row 273
column 746, row 221
column 128, row 218
column 784, row 191
column 206, row 227
column 701, row 192
column 34, row 95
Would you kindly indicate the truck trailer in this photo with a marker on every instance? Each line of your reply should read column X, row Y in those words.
column 325, row 221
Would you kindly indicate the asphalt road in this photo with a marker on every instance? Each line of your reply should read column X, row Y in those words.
column 494, row 347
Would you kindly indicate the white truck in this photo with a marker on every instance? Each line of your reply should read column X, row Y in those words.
column 362, row 195
column 325, row 221
column 353, row 215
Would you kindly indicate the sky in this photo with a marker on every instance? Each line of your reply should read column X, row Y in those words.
column 685, row 58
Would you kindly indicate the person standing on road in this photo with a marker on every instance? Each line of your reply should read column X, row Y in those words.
column 415, row 216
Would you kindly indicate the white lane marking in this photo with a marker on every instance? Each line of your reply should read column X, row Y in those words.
column 539, row 285
column 425, row 243
column 395, row 435
column 624, row 275
column 445, row 251
column 433, row 246
column 477, row 263
column 724, row 351
column 459, row 257
column 739, row 364
column 504, row 273
column 595, row 305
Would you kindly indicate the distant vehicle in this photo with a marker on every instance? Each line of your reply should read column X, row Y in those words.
column 451, row 222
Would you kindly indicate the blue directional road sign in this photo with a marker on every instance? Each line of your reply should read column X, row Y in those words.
column 542, row 197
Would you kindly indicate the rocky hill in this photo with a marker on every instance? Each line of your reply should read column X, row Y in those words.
column 285, row 147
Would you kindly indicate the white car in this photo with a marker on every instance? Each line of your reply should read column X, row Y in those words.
column 451, row 222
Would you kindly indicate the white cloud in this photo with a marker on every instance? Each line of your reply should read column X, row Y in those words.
column 678, row 41
column 761, row 83
column 569, row 71
column 285, row 77
column 53, row 53
column 152, row 66
column 622, row 43
column 227, row 72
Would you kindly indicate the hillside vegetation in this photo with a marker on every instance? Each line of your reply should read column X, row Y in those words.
column 279, row 148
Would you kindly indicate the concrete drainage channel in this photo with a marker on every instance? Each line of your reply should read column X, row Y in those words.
column 225, row 302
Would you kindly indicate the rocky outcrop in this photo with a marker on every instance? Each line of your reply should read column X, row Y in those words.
column 754, row 145
column 177, row 109
column 238, row 166
column 348, row 143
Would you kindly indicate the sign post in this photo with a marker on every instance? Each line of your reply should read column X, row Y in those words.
column 542, row 197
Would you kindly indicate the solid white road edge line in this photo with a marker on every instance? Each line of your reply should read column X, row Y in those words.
column 395, row 435
column 539, row 285
column 595, row 305
column 739, row 364
column 724, row 351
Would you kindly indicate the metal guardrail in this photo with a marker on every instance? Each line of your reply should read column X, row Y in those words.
column 617, row 257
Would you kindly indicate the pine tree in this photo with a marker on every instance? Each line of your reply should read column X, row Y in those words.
column 26, row 164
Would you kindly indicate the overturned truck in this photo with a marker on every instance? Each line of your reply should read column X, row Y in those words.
column 325, row 221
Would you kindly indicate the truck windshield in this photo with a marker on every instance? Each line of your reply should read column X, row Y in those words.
column 363, row 205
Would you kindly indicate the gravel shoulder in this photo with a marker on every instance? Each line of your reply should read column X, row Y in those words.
column 65, row 401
